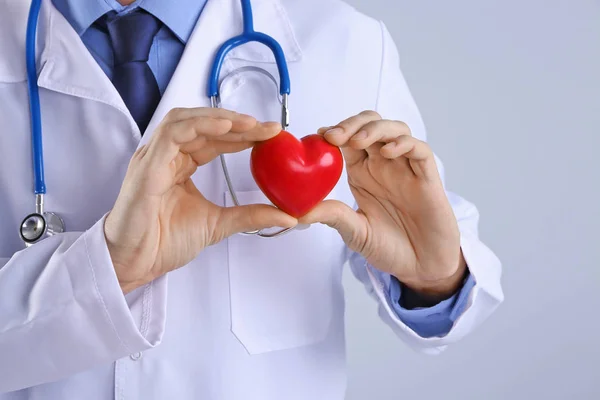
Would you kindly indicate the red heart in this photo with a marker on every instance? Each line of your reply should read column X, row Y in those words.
column 296, row 175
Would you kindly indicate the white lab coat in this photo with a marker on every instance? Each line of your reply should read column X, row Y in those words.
column 249, row 318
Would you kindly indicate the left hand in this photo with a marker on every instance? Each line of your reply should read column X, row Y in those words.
column 404, row 224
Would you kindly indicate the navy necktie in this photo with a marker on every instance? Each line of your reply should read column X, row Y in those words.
column 131, row 36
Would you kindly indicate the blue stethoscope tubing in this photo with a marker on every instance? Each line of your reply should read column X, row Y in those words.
column 34, row 99
column 249, row 35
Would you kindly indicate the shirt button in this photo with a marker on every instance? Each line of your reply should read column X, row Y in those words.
column 136, row 356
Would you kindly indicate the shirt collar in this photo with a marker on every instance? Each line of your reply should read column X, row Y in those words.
column 180, row 16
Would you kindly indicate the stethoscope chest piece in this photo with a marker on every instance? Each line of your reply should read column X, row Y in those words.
column 36, row 227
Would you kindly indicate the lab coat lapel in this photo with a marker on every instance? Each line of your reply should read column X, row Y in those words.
column 66, row 66
column 220, row 20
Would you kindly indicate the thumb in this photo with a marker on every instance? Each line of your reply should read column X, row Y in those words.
column 254, row 217
column 351, row 225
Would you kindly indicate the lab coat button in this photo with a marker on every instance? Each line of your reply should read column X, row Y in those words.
column 136, row 356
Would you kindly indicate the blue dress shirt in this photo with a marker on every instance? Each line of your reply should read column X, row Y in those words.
column 436, row 320
column 179, row 18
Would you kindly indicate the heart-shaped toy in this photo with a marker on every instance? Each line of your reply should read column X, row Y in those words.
column 296, row 175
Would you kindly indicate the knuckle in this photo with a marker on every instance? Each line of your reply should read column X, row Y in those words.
column 220, row 113
column 420, row 146
column 345, row 125
column 404, row 139
column 370, row 114
column 373, row 126
column 425, row 146
column 224, row 111
column 168, row 131
column 198, row 121
column 403, row 126
column 337, row 216
column 254, row 217
column 174, row 113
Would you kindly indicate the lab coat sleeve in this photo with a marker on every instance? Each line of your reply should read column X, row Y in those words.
column 394, row 101
column 62, row 311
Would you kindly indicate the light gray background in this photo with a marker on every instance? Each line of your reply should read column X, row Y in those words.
column 510, row 93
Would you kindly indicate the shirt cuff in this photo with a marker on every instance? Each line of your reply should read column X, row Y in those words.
column 431, row 321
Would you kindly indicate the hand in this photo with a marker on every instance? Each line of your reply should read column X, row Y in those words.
column 404, row 224
column 160, row 220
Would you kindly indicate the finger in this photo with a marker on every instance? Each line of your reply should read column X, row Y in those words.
column 409, row 147
column 236, row 141
column 253, row 217
column 350, row 225
column 166, row 142
column 191, row 135
column 321, row 131
column 374, row 150
column 261, row 132
column 216, row 147
column 342, row 132
column 180, row 114
column 378, row 131
column 203, row 150
column 239, row 122
column 416, row 151
column 351, row 156
column 209, row 152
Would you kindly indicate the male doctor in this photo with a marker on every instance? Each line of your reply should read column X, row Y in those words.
column 152, row 293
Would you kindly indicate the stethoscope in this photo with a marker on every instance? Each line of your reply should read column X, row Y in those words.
column 42, row 224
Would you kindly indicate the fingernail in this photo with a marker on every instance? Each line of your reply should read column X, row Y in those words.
column 360, row 135
column 389, row 145
column 334, row 131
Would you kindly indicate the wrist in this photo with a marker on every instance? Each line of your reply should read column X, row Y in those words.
column 123, row 264
column 433, row 291
column 126, row 258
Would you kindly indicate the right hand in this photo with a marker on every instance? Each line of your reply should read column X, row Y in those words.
column 160, row 221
